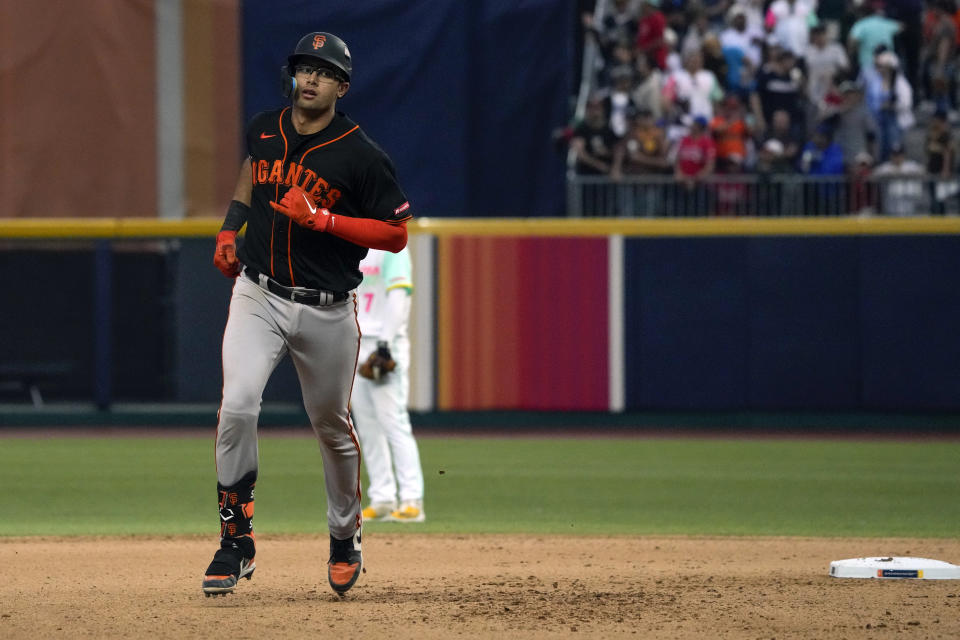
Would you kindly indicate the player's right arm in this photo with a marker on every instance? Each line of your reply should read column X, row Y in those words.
column 225, row 255
column 244, row 189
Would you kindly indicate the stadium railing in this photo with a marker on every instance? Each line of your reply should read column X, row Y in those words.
column 778, row 195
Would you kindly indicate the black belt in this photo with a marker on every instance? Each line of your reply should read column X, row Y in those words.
column 310, row 297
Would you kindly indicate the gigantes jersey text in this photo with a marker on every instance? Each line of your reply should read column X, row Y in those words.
column 343, row 170
column 293, row 174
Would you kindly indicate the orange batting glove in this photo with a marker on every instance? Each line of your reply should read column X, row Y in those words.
column 300, row 207
column 225, row 257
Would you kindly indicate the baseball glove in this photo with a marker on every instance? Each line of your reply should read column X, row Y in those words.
column 379, row 364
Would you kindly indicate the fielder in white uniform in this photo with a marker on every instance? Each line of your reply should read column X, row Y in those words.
column 379, row 405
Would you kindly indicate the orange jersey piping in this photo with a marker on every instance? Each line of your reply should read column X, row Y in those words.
column 276, row 196
column 323, row 144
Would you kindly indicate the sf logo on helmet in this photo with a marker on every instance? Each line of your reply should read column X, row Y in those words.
column 318, row 41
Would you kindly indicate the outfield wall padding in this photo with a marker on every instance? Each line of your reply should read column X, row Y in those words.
column 529, row 321
column 782, row 323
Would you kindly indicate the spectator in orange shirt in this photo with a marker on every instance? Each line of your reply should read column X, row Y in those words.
column 730, row 132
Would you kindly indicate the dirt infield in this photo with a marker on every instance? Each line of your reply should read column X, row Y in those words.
column 442, row 586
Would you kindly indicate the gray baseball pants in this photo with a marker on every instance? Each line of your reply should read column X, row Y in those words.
column 323, row 343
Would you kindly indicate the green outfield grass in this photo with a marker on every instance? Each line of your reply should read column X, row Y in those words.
column 474, row 485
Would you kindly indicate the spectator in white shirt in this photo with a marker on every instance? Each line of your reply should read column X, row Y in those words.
column 648, row 93
column 739, row 35
column 754, row 12
column 824, row 60
column 697, row 87
column 791, row 20
column 619, row 101
column 900, row 197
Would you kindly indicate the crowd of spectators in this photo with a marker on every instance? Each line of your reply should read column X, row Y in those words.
column 854, row 89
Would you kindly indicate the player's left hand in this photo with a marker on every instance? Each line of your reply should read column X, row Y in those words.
column 379, row 363
column 297, row 205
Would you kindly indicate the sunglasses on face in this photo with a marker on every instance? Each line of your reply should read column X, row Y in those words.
column 323, row 73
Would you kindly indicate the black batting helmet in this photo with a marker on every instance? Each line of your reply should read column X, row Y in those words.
column 325, row 47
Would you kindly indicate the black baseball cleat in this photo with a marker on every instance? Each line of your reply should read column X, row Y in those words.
column 346, row 563
column 232, row 561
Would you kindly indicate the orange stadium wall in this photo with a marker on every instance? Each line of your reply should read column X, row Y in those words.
column 78, row 107
column 522, row 323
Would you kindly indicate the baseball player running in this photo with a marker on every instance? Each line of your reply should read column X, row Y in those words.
column 315, row 192
column 382, row 387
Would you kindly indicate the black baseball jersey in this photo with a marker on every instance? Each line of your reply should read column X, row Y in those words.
column 343, row 170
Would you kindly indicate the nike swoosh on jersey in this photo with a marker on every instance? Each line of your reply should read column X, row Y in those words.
column 313, row 207
column 264, row 136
